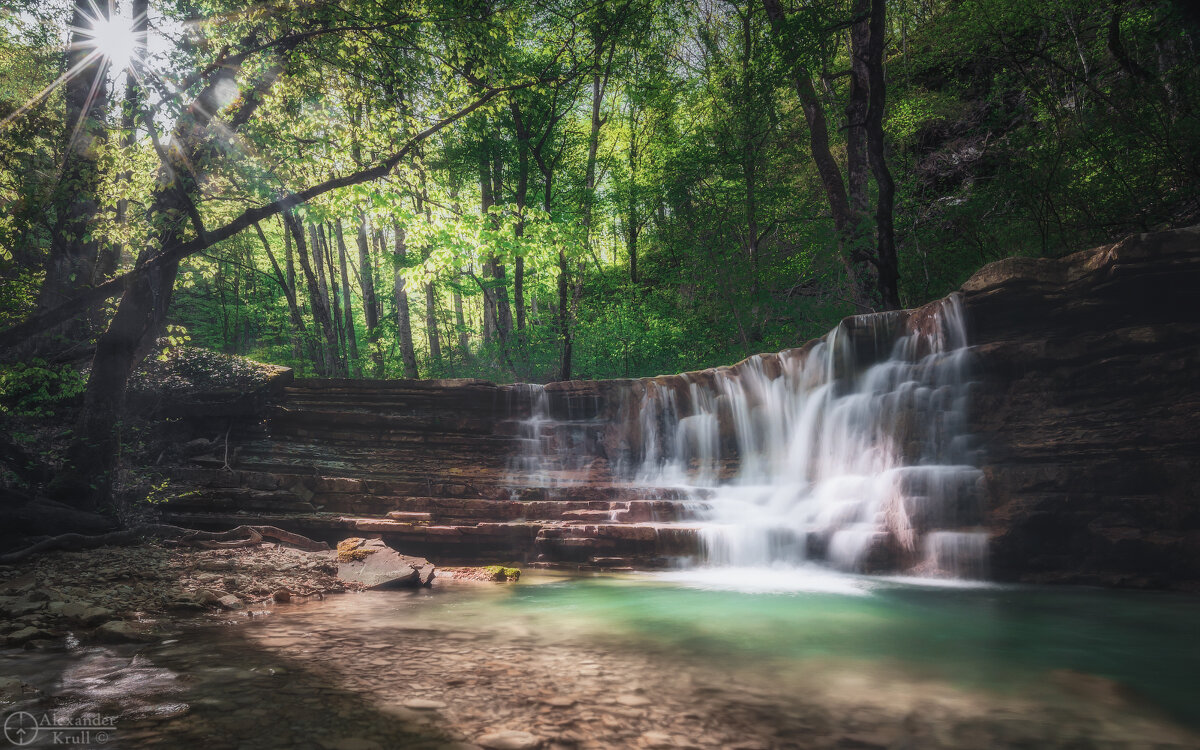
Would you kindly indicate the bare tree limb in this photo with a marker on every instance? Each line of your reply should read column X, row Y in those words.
column 81, row 303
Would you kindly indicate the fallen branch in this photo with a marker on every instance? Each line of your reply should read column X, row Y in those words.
column 238, row 537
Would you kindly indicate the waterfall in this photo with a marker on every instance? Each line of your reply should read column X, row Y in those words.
column 852, row 451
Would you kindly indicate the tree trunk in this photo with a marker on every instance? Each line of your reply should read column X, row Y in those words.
column 464, row 341
column 519, row 230
column 504, row 316
column 299, row 335
column 110, row 255
column 403, row 323
column 290, row 285
column 827, row 167
column 431, row 324
column 347, row 301
column 73, row 250
column 92, row 457
column 885, row 253
column 486, row 201
column 366, row 270
column 316, row 300
column 858, row 231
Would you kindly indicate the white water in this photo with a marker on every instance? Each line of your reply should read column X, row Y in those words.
column 852, row 452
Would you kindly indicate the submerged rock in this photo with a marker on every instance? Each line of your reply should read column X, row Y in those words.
column 118, row 631
column 375, row 565
column 509, row 739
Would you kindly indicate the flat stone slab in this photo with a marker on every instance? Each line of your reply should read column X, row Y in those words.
column 375, row 565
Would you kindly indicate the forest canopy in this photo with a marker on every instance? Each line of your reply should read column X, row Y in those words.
column 552, row 189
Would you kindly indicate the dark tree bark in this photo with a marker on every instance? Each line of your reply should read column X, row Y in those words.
column 431, row 323
column 504, row 316
column 403, row 322
column 519, row 229
column 328, row 312
column 366, row 270
column 135, row 96
column 885, row 233
column 73, row 250
column 324, row 235
column 305, row 344
column 347, row 301
column 92, row 456
column 486, row 201
column 299, row 334
column 827, row 166
column 316, row 300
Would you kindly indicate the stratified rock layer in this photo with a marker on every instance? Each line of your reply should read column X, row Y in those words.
column 1089, row 410
column 1086, row 410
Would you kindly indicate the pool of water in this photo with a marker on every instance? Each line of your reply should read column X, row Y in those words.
column 977, row 635
column 718, row 658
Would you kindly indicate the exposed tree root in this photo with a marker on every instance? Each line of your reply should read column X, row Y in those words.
column 242, row 536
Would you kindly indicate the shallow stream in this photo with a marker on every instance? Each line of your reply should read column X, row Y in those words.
column 735, row 658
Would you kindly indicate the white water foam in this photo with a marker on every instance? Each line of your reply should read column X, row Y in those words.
column 852, row 452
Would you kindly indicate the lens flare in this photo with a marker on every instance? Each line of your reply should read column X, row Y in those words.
column 110, row 36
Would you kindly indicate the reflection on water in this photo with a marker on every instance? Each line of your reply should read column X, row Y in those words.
column 644, row 661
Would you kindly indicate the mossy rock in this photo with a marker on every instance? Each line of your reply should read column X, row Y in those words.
column 501, row 573
column 351, row 550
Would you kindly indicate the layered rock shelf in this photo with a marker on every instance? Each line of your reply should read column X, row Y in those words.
column 1083, row 407
column 425, row 465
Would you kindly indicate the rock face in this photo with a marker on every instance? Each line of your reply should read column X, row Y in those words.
column 1085, row 410
column 1089, row 410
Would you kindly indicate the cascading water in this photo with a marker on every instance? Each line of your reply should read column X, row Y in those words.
column 852, row 451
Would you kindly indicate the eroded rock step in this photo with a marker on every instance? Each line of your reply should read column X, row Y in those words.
column 603, row 544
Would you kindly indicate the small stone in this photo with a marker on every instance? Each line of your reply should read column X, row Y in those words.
column 509, row 739
column 423, row 704
column 25, row 634
column 559, row 701
column 229, row 601
column 633, row 700
column 12, row 689
column 117, row 631
column 92, row 615
column 656, row 739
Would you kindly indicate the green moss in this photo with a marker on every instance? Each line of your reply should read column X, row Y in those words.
column 350, row 550
column 501, row 573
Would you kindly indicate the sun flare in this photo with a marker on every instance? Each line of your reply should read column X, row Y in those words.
column 114, row 38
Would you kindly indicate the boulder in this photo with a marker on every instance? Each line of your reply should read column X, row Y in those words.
column 375, row 565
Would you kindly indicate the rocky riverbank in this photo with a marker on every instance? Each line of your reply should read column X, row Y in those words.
column 142, row 592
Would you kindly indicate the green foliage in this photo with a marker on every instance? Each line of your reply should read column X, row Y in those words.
column 1012, row 127
column 37, row 389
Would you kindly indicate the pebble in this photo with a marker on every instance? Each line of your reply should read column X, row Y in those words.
column 509, row 739
column 423, row 704
column 633, row 700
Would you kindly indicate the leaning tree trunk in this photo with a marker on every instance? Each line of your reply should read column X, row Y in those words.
column 73, row 248
column 86, row 479
column 135, row 95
